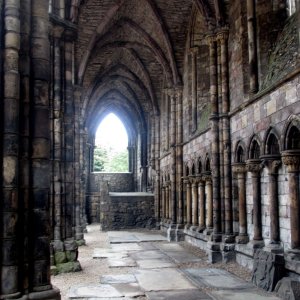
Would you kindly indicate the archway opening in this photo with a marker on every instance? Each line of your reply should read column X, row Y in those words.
column 111, row 146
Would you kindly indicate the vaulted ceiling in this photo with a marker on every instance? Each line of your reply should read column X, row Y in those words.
column 128, row 51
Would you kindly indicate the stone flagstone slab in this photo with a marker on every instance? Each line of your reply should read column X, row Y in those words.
column 129, row 289
column 178, row 295
column 94, row 291
column 216, row 278
column 108, row 253
column 146, row 255
column 126, row 247
column 122, row 278
column 155, row 264
column 162, row 280
column 242, row 295
column 122, row 262
column 183, row 256
column 134, row 237
column 170, row 247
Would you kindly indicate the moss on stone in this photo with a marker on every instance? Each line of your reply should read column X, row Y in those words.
column 69, row 267
column 60, row 257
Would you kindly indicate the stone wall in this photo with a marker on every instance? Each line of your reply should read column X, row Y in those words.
column 127, row 210
column 102, row 183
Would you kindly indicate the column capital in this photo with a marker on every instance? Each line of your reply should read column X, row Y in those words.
column 222, row 35
column 254, row 165
column 291, row 158
column 210, row 39
column 272, row 162
column 207, row 178
column 193, row 51
column 239, row 168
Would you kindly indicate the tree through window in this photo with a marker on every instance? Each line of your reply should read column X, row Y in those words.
column 111, row 146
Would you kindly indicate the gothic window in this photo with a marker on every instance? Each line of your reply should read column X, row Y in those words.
column 240, row 155
column 199, row 166
column 254, row 150
column 207, row 165
column 294, row 139
column 272, row 145
column 291, row 6
column 187, row 170
column 193, row 169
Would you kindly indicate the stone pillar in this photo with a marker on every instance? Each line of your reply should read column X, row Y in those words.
column 9, row 206
column 173, row 204
column 215, row 155
column 240, row 170
column 291, row 158
column 223, row 40
column 179, row 156
column 39, row 229
column 167, row 201
column 252, row 46
column 194, row 52
column 57, row 133
column 157, row 166
column 209, row 203
column 163, row 202
column 194, row 201
column 254, row 167
column 186, row 181
column 201, row 204
column 273, row 163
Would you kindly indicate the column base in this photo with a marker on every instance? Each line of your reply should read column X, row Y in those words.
column 275, row 248
column 214, row 252
column 201, row 229
column 242, row 239
column 292, row 260
column 228, row 252
column 53, row 294
column 228, row 239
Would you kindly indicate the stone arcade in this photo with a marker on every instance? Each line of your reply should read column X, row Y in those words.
column 209, row 92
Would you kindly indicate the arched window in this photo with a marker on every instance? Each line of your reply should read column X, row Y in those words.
column 193, row 169
column 111, row 146
column 207, row 165
column 240, row 155
column 272, row 146
column 254, row 150
column 187, row 170
column 291, row 7
column 199, row 166
column 293, row 141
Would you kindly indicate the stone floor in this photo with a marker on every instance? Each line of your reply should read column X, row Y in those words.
column 155, row 269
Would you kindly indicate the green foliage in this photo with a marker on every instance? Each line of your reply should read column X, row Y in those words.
column 109, row 160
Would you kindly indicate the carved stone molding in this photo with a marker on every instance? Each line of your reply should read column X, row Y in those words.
column 291, row 158
column 254, row 165
column 239, row 168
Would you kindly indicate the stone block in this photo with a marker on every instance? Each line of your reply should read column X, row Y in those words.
column 288, row 289
column 268, row 269
column 60, row 257
column 69, row 267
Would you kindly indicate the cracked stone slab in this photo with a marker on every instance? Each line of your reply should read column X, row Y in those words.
column 134, row 237
column 155, row 264
column 150, row 237
column 126, row 247
column 122, row 262
column 94, row 291
column 178, row 295
column 245, row 295
column 146, row 255
column 183, row 256
column 148, row 246
column 129, row 289
column 216, row 278
column 162, row 280
column 108, row 253
column 122, row 278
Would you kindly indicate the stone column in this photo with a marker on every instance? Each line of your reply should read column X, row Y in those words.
column 173, row 204
column 194, row 201
column 252, row 46
column 240, row 170
column 223, row 40
column 254, row 167
column 39, row 280
column 167, row 201
column 57, row 133
column 186, row 181
column 273, row 163
column 291, row 158
column 215, row 155
column 179, row 156
column 163, row 202
column 201, row 204
column 209, row 203
column 157, row 165
column 193, row 53
column 9, row 206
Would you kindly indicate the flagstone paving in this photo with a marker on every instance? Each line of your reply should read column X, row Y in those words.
column 154, row 270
